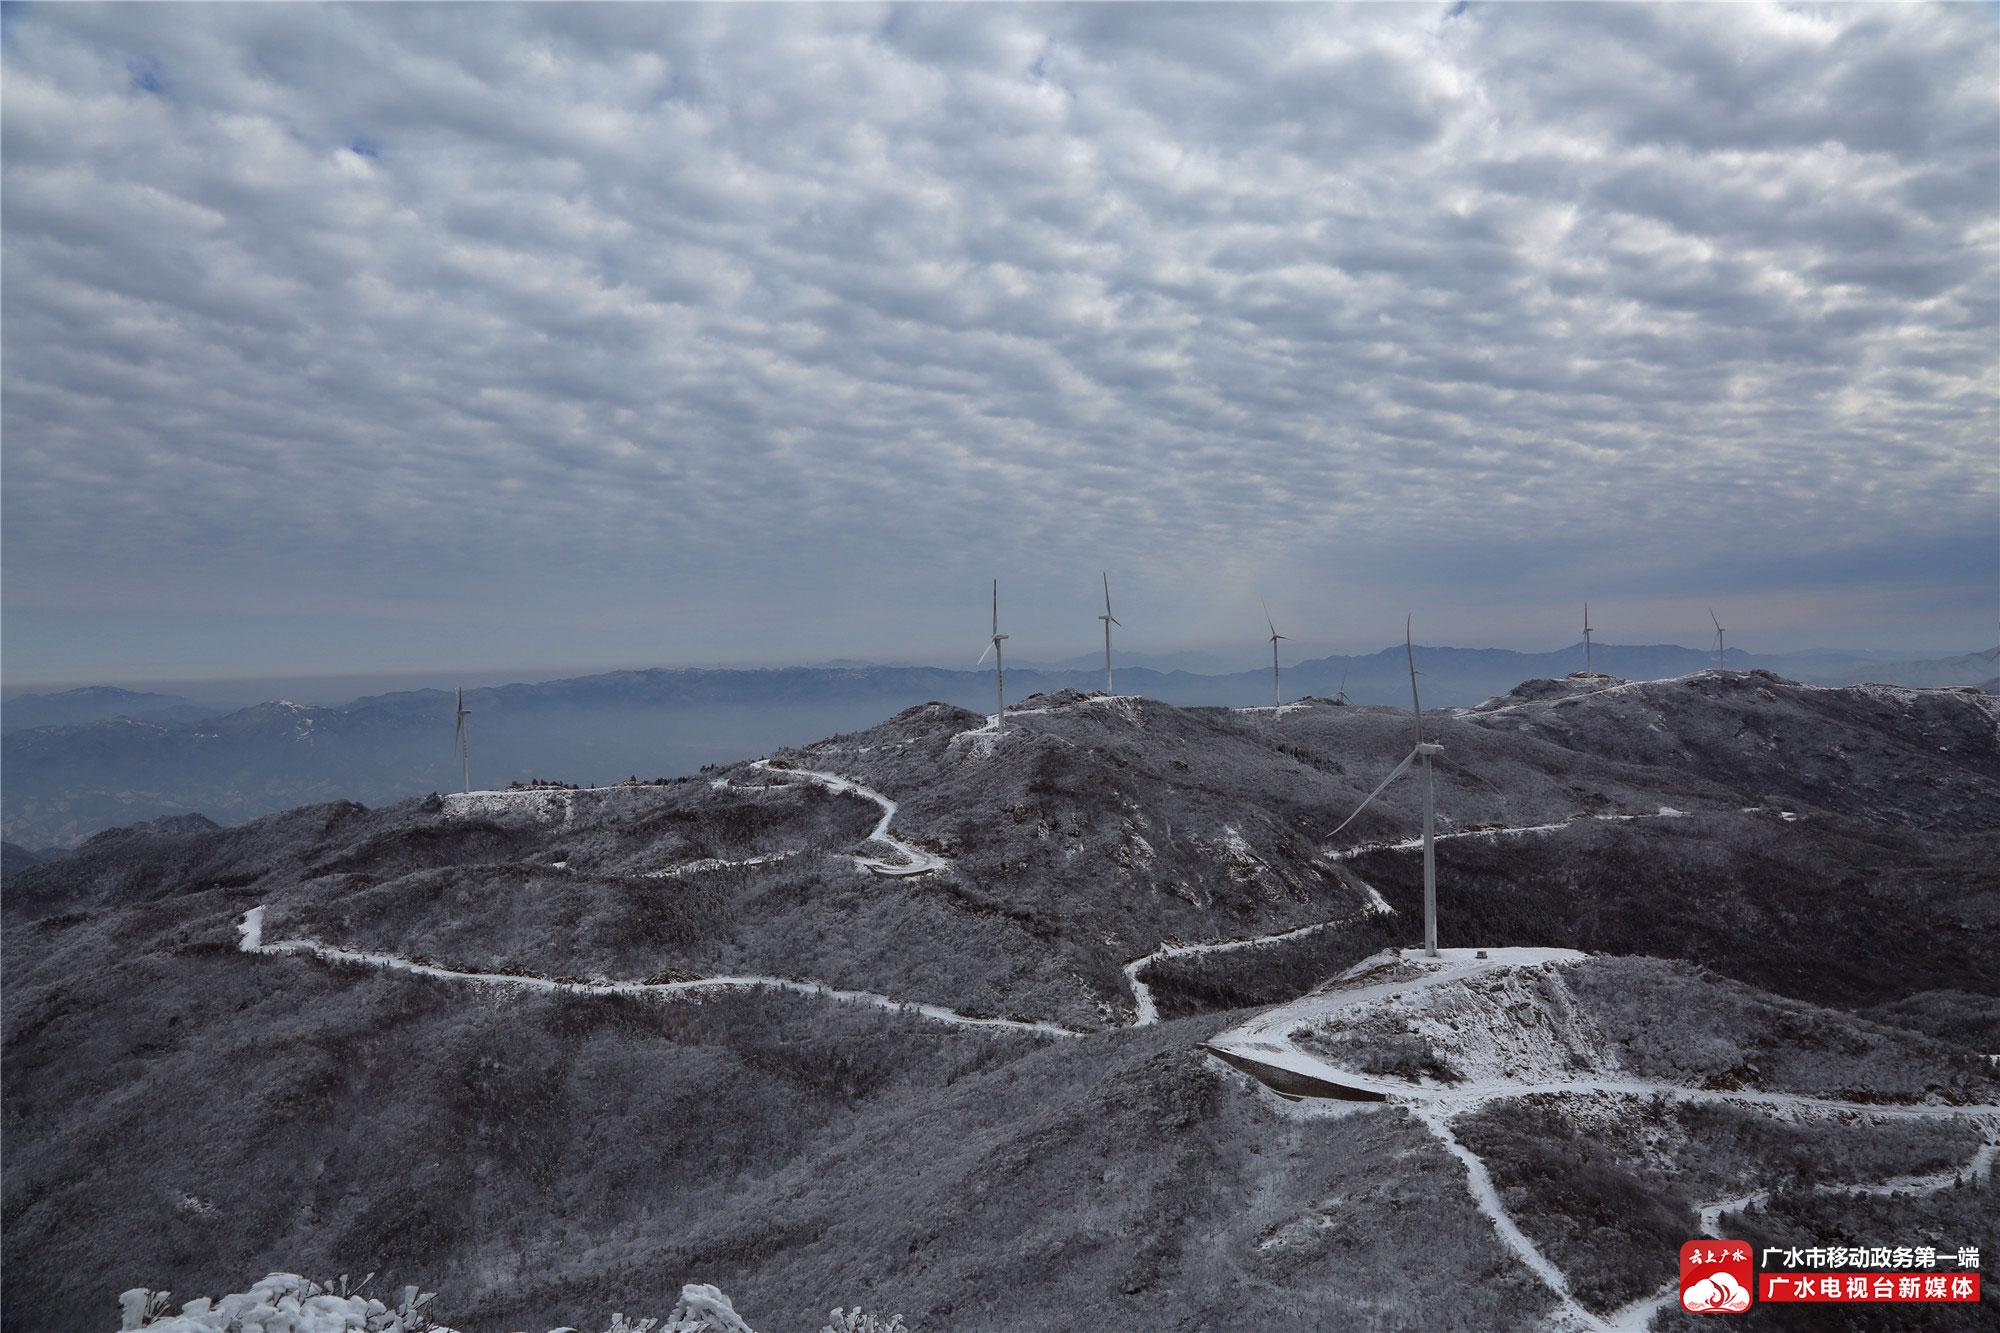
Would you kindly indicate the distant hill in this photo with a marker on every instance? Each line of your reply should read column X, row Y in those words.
column 67, row 781
column 95, row 703
column 15, row 858
column 1965, row 669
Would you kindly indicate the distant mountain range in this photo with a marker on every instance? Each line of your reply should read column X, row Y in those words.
column 93, row 758
column 96, row 703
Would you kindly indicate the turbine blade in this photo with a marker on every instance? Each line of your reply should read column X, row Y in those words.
column 983, row 656
column 1107, row 594
column 1394, row 773
column 996, row 606
column 1267, row 617
column 1711, row 616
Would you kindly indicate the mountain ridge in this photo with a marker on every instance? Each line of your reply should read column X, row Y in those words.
column 66, row 782
column 919, row 1013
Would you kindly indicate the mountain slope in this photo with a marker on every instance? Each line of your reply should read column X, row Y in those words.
column 566, row 1049
column 1906, row 757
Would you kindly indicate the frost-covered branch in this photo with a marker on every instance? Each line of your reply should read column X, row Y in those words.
column 300, row 1305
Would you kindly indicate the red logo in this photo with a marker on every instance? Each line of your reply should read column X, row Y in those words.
column 1716, row 1277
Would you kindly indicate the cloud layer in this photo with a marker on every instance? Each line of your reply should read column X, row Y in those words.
column 676, row 333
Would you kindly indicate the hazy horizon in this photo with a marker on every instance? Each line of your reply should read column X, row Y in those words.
column 337, row 688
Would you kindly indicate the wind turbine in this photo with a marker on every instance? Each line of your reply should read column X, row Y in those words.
column 1422, row 751
column 1277, row 694
column 1587, row 669
column 1719, row 632
column 1340, row 695
column 1109, row 620
column 999, row 663
column 463, row 742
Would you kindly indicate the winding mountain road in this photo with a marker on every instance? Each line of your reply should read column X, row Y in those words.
column 1262, row 1046
column 250, row 932
column 915, row 860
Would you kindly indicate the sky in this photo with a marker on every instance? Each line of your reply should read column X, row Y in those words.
column 401, row 338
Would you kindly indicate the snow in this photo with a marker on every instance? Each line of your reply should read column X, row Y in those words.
column 1142, row 994
column 1483, row 711
column 1637, row 1316
column 280, row 1303
column 1442, row 999
column 1523, row 830
column 916, row 861
column 288, row 1303
column 1480, row 1184
column 251, row 933
column 714, row 863
column 1468, row 1005
column 547, row 804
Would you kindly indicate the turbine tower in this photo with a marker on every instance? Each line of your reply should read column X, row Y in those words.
column 1421, row 752
column 1109, row 620
column 463, row 742
column 1277, row 693
column 1719, row 632
column 999, row 664
column 1588, row 670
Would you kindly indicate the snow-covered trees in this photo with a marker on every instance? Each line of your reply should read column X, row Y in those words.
column 288, row 1303
column 854, row 1321
column 282, row 1303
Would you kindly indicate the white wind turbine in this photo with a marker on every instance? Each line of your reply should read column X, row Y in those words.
column 1588, row 670
column 463, row 743
column 1277, row 693
column 1109, row 620
column 999, row 664
column 1719, row 632
column 1340, row 695
column 1423, row 751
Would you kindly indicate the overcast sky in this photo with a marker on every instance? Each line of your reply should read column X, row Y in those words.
column 405, row 337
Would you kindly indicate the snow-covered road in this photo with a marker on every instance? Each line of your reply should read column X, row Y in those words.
column 1266, row 1042
column 1522, row 830
column 716, row 863
column 1142, row 994
column 1639, row 1314
column 250, row 932
column 1479, row 1183
column 915, row 860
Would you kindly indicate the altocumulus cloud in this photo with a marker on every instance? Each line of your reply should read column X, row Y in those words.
column 680, row 332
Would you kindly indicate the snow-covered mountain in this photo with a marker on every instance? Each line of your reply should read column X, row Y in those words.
column 921, row 1016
